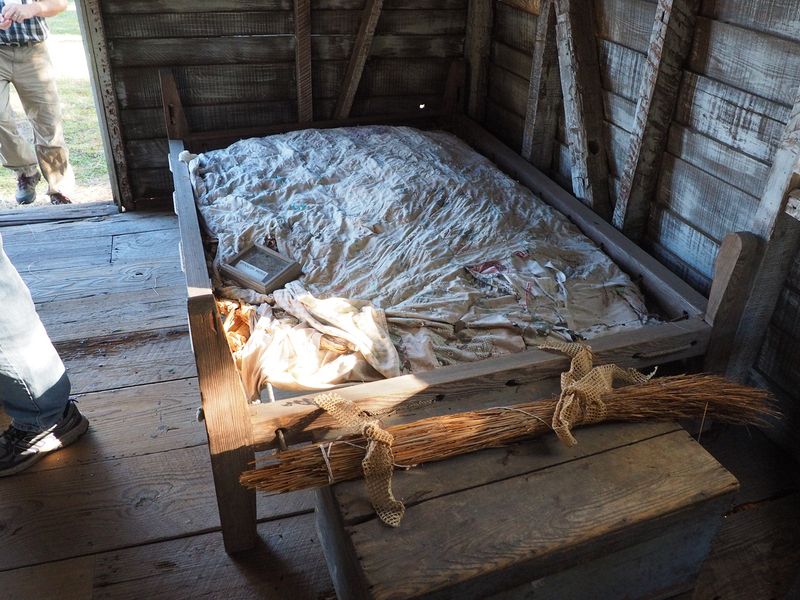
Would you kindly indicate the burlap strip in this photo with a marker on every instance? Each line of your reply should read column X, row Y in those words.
column 583, row 387
column 379, row 460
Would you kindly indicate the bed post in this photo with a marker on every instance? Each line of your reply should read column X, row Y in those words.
column 733, row 271
column 225, row 406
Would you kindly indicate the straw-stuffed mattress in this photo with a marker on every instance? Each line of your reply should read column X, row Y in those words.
column 415, row 249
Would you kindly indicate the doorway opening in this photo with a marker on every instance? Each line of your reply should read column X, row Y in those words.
column 80, row 120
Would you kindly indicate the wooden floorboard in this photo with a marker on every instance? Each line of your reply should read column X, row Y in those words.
column 64, row 212
column 287, row 563
column 117, row 361
column 138, row 486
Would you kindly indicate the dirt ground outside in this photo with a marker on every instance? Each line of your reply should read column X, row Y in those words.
column 80, row 120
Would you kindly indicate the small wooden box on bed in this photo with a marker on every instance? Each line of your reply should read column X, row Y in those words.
column 693, row 327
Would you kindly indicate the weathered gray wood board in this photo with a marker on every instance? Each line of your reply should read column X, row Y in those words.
column 236, row 67
column 497, row 519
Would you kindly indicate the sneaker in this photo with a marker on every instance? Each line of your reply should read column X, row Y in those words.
column 26, row 188
column 21, row 449
column 59, row 198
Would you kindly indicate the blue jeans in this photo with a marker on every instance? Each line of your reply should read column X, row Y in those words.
column 34, row 387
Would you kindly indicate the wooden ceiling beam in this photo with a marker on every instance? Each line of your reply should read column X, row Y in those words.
column 670, row 44
column 582, row 90
column 544, row 93
column 361, row 49
column 302, row 34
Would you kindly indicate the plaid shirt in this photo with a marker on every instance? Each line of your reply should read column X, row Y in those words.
column 30, row 31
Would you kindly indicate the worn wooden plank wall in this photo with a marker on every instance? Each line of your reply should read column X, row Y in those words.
column 735, row 96
column 234, row 63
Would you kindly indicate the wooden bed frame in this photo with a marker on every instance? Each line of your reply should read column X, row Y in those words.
column 694, row 326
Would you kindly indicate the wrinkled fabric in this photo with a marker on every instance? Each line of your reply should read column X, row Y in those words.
column 463, row 262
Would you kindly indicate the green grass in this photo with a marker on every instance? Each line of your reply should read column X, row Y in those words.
column 81, row 128
column 66, row 23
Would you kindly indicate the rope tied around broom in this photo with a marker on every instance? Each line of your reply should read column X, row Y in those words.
column 583, row 388
column 378, row 462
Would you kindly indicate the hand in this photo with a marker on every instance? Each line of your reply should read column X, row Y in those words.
column 20, row 12
column 5, row 24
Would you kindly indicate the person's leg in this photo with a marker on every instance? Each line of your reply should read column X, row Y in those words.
column 15, row 152
column 34, row 387
column 34, row 79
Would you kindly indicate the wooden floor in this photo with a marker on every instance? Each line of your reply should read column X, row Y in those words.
column 129, row 511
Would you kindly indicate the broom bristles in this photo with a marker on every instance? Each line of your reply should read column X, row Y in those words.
column 442, row 437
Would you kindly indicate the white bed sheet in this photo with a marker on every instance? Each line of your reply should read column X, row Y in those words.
column 454, row 258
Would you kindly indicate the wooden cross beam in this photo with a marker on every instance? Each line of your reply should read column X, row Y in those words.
column 361, row 48
column 670, row 43
column 581, row 88
column 544, row 93
column 302, row 35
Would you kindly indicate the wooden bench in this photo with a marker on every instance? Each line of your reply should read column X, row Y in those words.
column 630, row 512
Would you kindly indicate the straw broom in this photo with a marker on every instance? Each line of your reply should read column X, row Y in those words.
column 442, row 437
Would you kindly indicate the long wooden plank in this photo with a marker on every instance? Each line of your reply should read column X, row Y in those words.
column 194, row 566
column 742, row 121
column 205, row 85
column 302, row 33
column 776, row 17
column 508, row 90
column 114, row 314
column 210, row 6
column 674, row 295
column 626, row 22
column 322, row 22
column 725, row 208
column 583, row 510
column 358, row 57
column 621, row 69
column 63, row 212
column 164, row 52
column 493, row 380
column 670, row 42
column 544, row 93
column 477, row 47
column 781, row 236
column 100, row 227
column 717, row 159
column 511, row 59
column 230, row 441
column 765, row 65
column 580, row 86
column 684, row 241
column 514, row 28
column 133, row 421
column 118, row 361
column 61, row 513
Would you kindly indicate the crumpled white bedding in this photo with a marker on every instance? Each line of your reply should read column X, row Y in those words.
column 407, row 237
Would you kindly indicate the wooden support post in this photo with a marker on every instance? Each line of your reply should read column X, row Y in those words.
column 453, row 99
column 582, row 91
column 302, row 36
column 733, row 273
column 174, row 116
column 90, row 18
column 227, row 416
column 361, row 48
column 476, row 48
column 670, row 43
column 544, row 93
column 780, row 235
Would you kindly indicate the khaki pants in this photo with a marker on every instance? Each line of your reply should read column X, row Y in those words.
column 29, row 69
